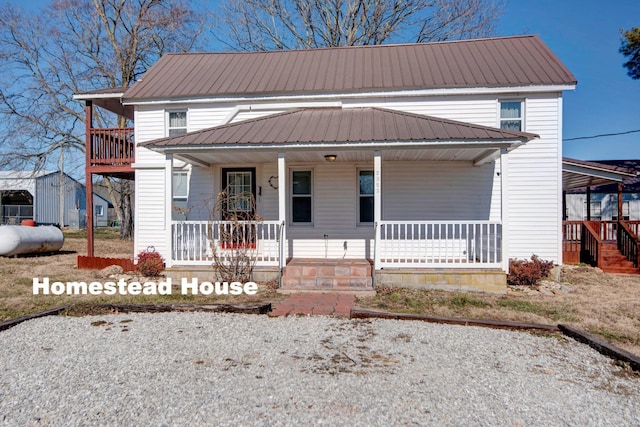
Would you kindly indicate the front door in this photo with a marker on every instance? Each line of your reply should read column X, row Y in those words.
column 238, row 206
column 239, row 185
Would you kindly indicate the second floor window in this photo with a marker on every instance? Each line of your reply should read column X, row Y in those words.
column 511, row 115
column 177, row 123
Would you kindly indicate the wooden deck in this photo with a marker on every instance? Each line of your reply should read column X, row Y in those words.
column 610, row 245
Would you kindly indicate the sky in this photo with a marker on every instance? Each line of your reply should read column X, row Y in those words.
column 585, row 35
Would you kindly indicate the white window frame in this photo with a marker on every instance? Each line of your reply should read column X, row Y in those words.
column 168, row 127
column 522, row 115
column 593, row 217
column 177, row 216
column 99, row 210
column 614, row 213
column 311, row 196
column 359, row 195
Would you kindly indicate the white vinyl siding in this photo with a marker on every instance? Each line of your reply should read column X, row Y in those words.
column 535, row 208
column 412, row 190
column 150, row 218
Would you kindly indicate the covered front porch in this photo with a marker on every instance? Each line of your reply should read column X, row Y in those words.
column 611, row 245
column 432, row 201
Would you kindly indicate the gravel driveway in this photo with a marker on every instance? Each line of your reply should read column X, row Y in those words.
column 222, row 369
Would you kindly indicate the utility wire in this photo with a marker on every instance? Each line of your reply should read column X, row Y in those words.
column 604, row 134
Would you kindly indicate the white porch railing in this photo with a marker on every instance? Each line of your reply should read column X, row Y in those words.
column 438, row 244
column 194, row 242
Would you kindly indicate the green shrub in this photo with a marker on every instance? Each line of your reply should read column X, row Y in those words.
column 150, row 264
column 528, row 273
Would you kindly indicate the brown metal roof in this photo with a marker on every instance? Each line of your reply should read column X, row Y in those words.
column 582, row 174
column 495, row 62
column 337, row 125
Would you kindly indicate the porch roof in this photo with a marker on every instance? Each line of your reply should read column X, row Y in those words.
column 348, row 127
column 582, row 174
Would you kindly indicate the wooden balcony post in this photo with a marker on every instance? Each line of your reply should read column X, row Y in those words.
column 89, row 175
column 588, row 203
column 619, row 201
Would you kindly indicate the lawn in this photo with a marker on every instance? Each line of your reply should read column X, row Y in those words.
column 603, row 304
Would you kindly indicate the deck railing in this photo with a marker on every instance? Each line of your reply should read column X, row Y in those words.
column 628, row 243
column 571, row 237
column 195, row 242
column 433, row 244
column 591, row 243
column 112, row 147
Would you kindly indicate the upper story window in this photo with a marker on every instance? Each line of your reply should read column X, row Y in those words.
column 177, row 123
column 511, row 115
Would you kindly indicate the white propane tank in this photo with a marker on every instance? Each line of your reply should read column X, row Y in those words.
column 21, row 239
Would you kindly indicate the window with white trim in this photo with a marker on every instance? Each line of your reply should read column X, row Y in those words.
column 625, row 211
column 596, row 211
column 176, row 123
column 301, row 197
column 365, row 197
column 511, row 115
column 180, row 195
column 99, row 210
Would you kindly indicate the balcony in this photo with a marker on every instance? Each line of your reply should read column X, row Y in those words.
column 111, row 151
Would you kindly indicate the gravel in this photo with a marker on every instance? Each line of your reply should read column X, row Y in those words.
column 223, row 369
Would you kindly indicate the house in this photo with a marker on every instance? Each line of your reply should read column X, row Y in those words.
column 426, row 165
column 603, row 198
column 36, row 195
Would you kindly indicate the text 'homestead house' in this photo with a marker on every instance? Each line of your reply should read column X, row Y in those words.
column 420, row 164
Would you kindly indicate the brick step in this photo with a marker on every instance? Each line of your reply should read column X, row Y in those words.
column 293, row 282
column 328, row 275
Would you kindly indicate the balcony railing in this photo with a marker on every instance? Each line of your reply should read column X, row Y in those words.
column 111, row 147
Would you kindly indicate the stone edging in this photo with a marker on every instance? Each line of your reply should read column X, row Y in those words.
column 357, row 313
column 13, row 322
column 602, row 346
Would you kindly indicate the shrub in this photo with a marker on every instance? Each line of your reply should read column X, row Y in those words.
column 528, row 273
column 150, row 264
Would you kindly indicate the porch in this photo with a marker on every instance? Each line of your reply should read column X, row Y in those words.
column 611, row 246
column 415, row 193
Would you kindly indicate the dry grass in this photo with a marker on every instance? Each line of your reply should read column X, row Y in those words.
column 604, row 304
column 17, row 274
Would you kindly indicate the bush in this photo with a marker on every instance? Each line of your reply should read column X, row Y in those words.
column 528, row 273
column 150, row 264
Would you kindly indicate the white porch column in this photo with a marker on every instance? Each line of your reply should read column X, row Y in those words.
column 168, row 207
column 282, row 206
column 377, row 205
column 504, row 207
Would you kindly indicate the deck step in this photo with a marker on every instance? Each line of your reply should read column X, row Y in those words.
column 614, row 262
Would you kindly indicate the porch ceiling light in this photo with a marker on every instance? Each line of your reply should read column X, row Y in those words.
column 330, row 157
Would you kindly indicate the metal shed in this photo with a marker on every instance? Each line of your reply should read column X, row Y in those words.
column 37, row 196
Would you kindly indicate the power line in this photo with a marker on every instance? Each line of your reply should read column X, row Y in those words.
column 604, row 134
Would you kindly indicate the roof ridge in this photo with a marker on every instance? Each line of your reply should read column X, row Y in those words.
column 375, row 46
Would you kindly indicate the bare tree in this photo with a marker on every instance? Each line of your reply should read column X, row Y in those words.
column 303, row 24
column 235, row 236
column 74, row 46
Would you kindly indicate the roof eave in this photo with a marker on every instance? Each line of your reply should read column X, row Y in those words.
column 509, row 144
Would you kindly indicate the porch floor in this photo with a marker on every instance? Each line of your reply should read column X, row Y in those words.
column 328, row 275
